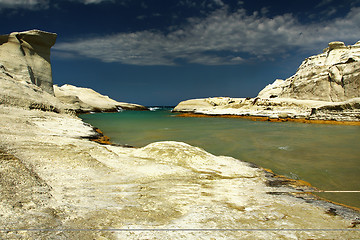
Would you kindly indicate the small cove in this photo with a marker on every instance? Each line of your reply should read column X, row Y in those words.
column 327, row 156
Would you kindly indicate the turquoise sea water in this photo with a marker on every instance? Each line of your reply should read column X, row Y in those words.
column 327, row 156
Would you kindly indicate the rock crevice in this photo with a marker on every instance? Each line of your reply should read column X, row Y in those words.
column 26, row 56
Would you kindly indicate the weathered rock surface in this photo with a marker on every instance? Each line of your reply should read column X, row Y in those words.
column 87, row 100
column 53, row 178
column 333, row 76
column 274, row 108
column 18, row 93
column 325, row 87
column 26, row 57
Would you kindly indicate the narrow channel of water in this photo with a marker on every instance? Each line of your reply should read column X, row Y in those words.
column 327, row 156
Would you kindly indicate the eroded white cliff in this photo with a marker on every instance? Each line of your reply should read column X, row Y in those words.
column 332, row 76
column 53, row 177
column 26, row 57
column 25, row 64
column 325, row 87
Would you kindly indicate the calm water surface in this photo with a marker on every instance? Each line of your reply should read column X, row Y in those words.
column 327, row 156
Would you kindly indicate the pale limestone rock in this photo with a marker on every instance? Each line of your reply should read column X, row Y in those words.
column 15, row 92
column 272, row 90
column 87, row 100
column 63, row 181
column 335, row 45
column 192, row 105
column 325, row 87
column 276, row 108
column 330, row 76
column 53, row 177
column 26, row 57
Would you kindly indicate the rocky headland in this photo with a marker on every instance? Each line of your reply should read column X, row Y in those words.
column 25, row 61
column 325, row 87
column 57, row 184
column 83, row 100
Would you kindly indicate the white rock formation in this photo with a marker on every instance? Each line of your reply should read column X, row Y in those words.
column 332, row 76
column 325, row 87
column 26, row 57
column 87, row 100
column 15, row 92
column 25, row 64
column 274, row 108
column 53, row 177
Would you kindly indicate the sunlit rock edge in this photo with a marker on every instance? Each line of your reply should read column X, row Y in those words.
column 325, row 87
column 85, row 100
column 53, row 177
column 25, row 58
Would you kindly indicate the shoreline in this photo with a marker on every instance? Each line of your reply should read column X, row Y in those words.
column 95, row 186
column 62, row 178
column 302, row 189
column 268, row 119
column 303, row 185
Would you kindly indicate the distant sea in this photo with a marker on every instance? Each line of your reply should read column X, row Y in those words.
column 327, row 156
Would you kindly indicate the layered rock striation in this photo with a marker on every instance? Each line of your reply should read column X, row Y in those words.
column 16, row 92
column 26, row 57
column 25, row 64
column 325, row 87
column 332, row 76
column 53, row 177
column 56, row 184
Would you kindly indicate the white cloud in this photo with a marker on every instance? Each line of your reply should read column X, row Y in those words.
column 25, row 4
column 220, row 38
column 324, row 2
column 219, row 2
column 203, row 4
column 40, row 4
column 188, row 3
column 93, row 1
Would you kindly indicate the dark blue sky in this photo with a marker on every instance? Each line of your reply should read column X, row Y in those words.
column 160, row 52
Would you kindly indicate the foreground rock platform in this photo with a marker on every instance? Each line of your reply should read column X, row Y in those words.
column 53, row 177
column 57, row 184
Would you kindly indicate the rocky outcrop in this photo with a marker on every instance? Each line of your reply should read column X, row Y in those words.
column 332, row 76
column 325, row 87
column 17, row 93
column 274, row 108
column 25, row 64
column 26, row 57
column 53, row 177
column 56, row 184
column 87, row 100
